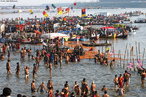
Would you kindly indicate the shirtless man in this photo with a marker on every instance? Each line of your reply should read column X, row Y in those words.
column 75, row 86
column 42, row 88
column 86, row 89
column 116, row 82
column 8, row 67
column 93, row 87
column 78, row 91
column 29, row 53
column 112, row 63
column 143, row 77
column 67, row 59
column 34, row 70
column 26, row 68
column 105, row 94
column 50, row 85
column 55, row 59
column 21, row 52
column 17, row 69
column 2, row 57
column 37, row 60
column 126, row 78
column 24, row 51
column 104, row 88
column 33, row 88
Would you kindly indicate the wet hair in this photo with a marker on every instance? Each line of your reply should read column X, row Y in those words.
column 84, row 79
column 17, row 62
column 19, row 95
column 7, row 91
column 57, row 91
column 113, row 60
column 125, row 71
column 115, row 75
column 105, row 92
column 66, row 82
column 23, row 96
column 103, row 85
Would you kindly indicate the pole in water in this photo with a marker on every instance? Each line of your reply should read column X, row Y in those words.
column 143, row 55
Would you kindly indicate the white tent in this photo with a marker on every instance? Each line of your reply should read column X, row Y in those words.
column 54, row 35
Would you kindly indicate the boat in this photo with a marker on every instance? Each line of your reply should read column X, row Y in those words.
column 140, row 20
column 121, row 35
column 108, row 32
column 108, row 36
column 84, row 39
column 96, row 44
column 95, row 37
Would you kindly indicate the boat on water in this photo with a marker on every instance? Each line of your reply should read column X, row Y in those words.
column 96, row 44
column 108, row 32
column 140, row 20
column 121, row 35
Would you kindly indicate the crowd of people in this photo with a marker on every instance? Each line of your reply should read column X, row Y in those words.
column 54, row 57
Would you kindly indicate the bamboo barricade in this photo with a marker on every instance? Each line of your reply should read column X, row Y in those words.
column 139, row 49
column 125, row 56
column 143, row 56
column 118, row 56
column 136, row 50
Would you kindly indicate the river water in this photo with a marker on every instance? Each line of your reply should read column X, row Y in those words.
column 101, row 75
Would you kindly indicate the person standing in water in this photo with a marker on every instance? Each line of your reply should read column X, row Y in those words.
column 33, row 88
column 42, row 88
column 26, row 68
column 126, row 78
column 143, row 77
column 8, row 67
column 34, row 70
column 17, row 69
column 37, row 60
column 116, row 82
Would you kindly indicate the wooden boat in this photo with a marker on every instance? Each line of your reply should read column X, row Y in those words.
column 121, row 36
column 96, row 44
column 83, row 39
column 109, row 36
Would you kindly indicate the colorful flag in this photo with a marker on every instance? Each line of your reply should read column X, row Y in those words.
column 43, row 22
column 31, row 12
column 140, row 64
column 83, row 12
column 75, row 4
column 53, row 6
column 64, row 19
column 67, row 11
column 47, row 7
column 130, row 65
column 91, row 49
column 112, row 52
column 107, row 50
column 45, row 14
column 60, row 11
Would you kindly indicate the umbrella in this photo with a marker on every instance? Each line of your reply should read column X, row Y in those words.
column 37, row 32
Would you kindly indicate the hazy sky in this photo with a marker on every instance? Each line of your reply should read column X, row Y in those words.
column 37, row 2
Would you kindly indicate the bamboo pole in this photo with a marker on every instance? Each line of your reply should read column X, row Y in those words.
column 136, row 50
column 139, row 49
column 125, row 55
column 133, row 64
column 143, row 56
column 120, row 57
